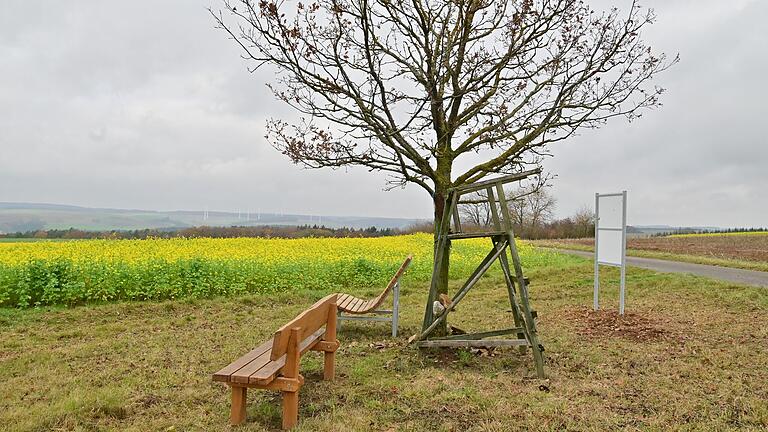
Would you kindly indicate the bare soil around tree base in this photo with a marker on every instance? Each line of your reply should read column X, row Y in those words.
column 607, row 323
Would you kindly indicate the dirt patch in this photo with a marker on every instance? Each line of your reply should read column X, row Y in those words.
column 608, row 323
column 148, row 400
column 440, row 356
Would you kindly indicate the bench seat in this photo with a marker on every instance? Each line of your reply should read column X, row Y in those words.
column 256, row 368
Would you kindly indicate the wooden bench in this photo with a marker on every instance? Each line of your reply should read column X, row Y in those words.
column 274, row 365
column 356, row 306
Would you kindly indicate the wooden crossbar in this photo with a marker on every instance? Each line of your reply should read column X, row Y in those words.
column 472, row 187
column 471, row 343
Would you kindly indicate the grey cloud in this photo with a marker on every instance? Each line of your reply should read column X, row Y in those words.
column 145, row 105
column 700, row 159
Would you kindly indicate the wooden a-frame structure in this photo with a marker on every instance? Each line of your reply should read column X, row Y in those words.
column 503, row 241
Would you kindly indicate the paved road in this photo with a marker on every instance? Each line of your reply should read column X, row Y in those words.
column 746, row 277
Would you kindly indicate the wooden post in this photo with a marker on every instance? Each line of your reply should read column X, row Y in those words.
column 291, row 370
column 237, row 412
column 533, row 340
column 456, row 216
column 441, row 244
column 516, row 314
column 329, row 365
column 290, row 409
column 494, row 211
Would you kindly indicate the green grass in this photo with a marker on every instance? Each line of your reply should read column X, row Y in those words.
column 695, row 259
column 147, row 366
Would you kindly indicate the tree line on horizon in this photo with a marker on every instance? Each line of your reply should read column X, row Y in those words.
column 267, row 231
column 711, row 231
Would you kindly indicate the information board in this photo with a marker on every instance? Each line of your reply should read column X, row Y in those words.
column 610, row 238
column 611, row 211
column 610, row 248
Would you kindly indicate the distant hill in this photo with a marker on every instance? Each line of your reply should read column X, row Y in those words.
column 16, row 217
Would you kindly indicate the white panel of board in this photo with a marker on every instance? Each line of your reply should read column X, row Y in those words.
column 609, row 246
column 610, row 212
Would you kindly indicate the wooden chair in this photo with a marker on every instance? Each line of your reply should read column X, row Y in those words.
column 274, row 365
column 356, row 307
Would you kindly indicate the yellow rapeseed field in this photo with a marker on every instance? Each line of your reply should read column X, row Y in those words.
column 77, row 272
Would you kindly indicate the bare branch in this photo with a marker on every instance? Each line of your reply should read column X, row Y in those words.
column 411, row 87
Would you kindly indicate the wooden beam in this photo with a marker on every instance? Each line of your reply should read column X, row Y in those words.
column 481, row 335
column 460, row 236
column 494, row 210
column 472, row 343
column 471, row 187
column 456, row 216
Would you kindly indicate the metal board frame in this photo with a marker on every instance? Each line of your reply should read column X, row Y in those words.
column 623, row 265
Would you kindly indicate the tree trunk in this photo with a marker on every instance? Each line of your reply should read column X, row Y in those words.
column 442, row 276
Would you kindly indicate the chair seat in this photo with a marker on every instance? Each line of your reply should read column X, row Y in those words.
column 256, row 368
column 351, row 304
column 354, row 305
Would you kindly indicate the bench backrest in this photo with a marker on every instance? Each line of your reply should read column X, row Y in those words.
column 392, row 282
column 308, row 322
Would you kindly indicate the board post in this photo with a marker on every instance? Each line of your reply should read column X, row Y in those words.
column 595, row 301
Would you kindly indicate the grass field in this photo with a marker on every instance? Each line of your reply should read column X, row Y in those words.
column 689, row 355
column 98, row 271
column 739, row 250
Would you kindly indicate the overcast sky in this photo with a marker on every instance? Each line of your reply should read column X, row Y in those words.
column 143, row 104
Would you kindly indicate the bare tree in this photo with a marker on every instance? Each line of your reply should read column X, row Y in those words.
column 530, row 207
column 541, row 208
column 584, row 220
column 518, row 209
column 441, row 93
column 475, row 211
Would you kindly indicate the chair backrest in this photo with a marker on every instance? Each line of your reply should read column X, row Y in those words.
column 308, row 322
column 394, row 281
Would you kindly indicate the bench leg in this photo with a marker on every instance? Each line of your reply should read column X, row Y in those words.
column 237, row 413
column 395, row 309
column 329, row 366
column 329, row 360
column 290, row 409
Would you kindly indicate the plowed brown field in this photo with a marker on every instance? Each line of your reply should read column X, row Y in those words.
column 743, row 247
